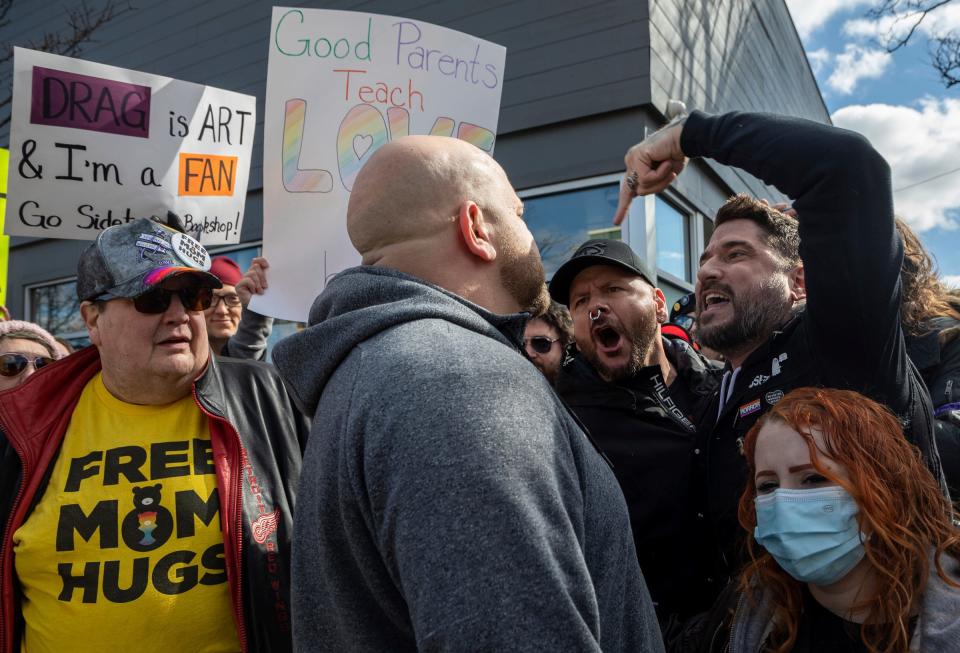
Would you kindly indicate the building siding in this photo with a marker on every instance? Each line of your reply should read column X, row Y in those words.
column 584, row 79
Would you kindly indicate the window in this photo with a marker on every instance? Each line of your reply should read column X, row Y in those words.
column 560, row 222
column 55, row 307
column 563, row 216
column 673, row 240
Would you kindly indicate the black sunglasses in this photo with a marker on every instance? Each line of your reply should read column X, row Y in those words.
column 15, row 364
column 540, row 344
column 157, row 300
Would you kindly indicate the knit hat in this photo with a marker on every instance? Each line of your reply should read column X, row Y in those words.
column 13, row 326
column 226, row 269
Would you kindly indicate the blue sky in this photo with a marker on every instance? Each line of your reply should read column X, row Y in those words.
column 898, row 102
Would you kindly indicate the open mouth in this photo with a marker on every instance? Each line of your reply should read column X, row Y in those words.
column 714, row 298
column 607, row 338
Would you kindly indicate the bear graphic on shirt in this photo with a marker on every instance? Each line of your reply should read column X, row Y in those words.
column 149, row 524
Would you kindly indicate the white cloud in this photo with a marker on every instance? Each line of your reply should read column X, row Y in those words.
column 937, row 22
column 810, row 15
column 952, row 280
column 819, row 59
column 919, row 142
column 856, row 63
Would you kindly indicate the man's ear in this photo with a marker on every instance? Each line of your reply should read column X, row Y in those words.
column 90, row 312
column 474, row 229
column 661, row 302
column 798, row 284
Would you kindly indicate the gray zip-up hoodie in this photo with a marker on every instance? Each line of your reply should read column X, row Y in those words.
column 448, row 500
column 937, row 629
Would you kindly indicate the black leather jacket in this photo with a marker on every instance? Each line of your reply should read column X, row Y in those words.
column 258, row 436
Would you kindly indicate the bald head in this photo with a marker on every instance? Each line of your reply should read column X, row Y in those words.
column 442, row 210
column 411, row 190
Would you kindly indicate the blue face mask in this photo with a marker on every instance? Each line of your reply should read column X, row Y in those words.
column 812, row 534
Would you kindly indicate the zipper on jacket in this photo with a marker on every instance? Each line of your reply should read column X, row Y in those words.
column 733, row 623
column 237, row 495
column 7, row 629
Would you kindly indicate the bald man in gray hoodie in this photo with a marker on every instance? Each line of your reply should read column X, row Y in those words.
column 448, row 501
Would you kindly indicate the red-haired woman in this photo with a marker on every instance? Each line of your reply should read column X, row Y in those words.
column 853, row 548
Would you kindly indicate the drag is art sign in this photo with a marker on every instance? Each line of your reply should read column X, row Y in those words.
column 92, row 146
column 340, row 85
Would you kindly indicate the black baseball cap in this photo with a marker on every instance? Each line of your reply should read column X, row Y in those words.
column 128, row 259
column 597, row 252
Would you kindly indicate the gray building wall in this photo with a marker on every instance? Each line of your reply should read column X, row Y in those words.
column 584, row 79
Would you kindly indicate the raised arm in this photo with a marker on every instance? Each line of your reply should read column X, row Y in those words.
column 841, row 190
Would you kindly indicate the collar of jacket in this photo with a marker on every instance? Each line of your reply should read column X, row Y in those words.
column 937, row 629
column 579, row 379
column 29, row 411
column 925, row 350
column 209, row 388
column 774, row 344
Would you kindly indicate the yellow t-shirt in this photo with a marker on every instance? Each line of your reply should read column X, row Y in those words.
column 124, row 552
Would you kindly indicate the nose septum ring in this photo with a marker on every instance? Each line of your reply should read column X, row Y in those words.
column 594, row 318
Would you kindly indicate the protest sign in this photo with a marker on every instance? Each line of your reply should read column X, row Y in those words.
column 94, row 146
column 4, row 239
column 340, row 85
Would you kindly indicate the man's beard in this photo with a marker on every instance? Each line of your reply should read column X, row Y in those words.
column 522, row 276
column 756, row 314
column 640, row 337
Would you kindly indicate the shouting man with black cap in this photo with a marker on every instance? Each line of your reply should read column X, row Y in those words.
column 636, row 392
column 146, row 486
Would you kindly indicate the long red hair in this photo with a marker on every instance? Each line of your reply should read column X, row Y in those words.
column 900, row 506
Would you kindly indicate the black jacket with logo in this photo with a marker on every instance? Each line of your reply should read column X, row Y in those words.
column 848, row 336
column 652, row 456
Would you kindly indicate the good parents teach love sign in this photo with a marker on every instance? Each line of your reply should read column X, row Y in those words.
column 93, row 146
column 340, row 85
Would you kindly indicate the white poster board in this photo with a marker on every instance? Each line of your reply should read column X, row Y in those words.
column 93, row 146
column 341, row 84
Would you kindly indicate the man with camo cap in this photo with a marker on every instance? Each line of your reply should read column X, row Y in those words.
column 147, row 487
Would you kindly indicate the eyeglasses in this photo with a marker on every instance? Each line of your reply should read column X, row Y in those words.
column 15, row 364
column 540, row 344
column 157, row 300
column 230, row 301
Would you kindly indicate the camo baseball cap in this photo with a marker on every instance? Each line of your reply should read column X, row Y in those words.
column 127, row 260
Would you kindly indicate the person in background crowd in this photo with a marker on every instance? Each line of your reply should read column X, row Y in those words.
column 683, row 324
column 930, row 314
column 145, row 486
column 637, row 393
column 449, row 500
column 680, row 324
column 235, row 330
column 852, row 545
column 25, row 348
column 65, row 347
column 788, row 305
column 546, row 338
